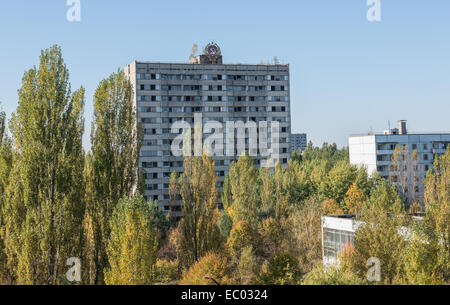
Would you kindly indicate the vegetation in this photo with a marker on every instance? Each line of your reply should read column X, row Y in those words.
column 58, row 202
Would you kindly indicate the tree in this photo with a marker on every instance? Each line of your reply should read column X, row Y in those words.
column 210, row 267
column 354, row 199
column 437, row 218
column 199, row 225
column 5, row 169
column 281, row 269
column 166, row 272
column 247, row 267
column 403, row 172
column 270, row 237
column 44, row 206
column 380, row 235
column 423, row 264
column 116, row 140
column 242, row 235
column 339, row 180
column 331, row 207
column 133, row 243
column 331, row 276
column 243, row 177
column 304, row 234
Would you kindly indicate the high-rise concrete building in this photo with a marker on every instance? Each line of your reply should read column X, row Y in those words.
column 205, row 90
column 299, row 141
column 375, row 151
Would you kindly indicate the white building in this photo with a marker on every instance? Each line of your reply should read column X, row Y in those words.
column 339, row 231
column 299, row 141
column 374, row 151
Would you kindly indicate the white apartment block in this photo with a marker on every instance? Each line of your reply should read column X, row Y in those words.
column 299, row 141
column 374, row 151
column 166, row 93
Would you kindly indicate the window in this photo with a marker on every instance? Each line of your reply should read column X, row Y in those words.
column 335, row 241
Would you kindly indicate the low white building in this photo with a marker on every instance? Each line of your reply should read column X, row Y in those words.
column 374, row 151
column 339, row 231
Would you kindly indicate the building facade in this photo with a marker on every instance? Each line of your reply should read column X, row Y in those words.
column 205, row 91
column 338, row 232
column 375, row 151
column 299, row 141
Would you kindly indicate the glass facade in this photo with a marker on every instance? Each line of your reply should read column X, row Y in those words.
column 334, row 241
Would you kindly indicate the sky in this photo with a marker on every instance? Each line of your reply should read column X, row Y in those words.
column 348, row 75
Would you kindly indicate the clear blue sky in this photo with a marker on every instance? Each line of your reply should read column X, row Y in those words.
column 347, row 75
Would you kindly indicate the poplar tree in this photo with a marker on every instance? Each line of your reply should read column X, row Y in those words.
column 243, row 177
column 43, row 210
column 437, row 218
column 379, row 236
column 133, row 243
column 116, row 140
column 199, row 225
column 5, row 169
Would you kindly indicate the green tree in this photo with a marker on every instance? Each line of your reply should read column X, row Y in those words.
column 243, row 177
column 331, row 276
column 338, row 182
column 44, row 206
column 242, row 235
column 116, row 138
column 247, row 267
column 210, row 267
column 133, row 243
column 5, row 169
column 423, row 263
column 437, row 218
column 380, row 235
column 281, row 269
column 166, row 272
column 199, row 225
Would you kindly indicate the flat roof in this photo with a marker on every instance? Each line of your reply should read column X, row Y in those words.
column 437, row 133
column 212, row 65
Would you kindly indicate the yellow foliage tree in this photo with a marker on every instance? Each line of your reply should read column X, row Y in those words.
column 331, row 207
column 212, row 267
column 354, row 199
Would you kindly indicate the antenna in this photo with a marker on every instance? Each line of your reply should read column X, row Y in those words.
column 194, row 50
